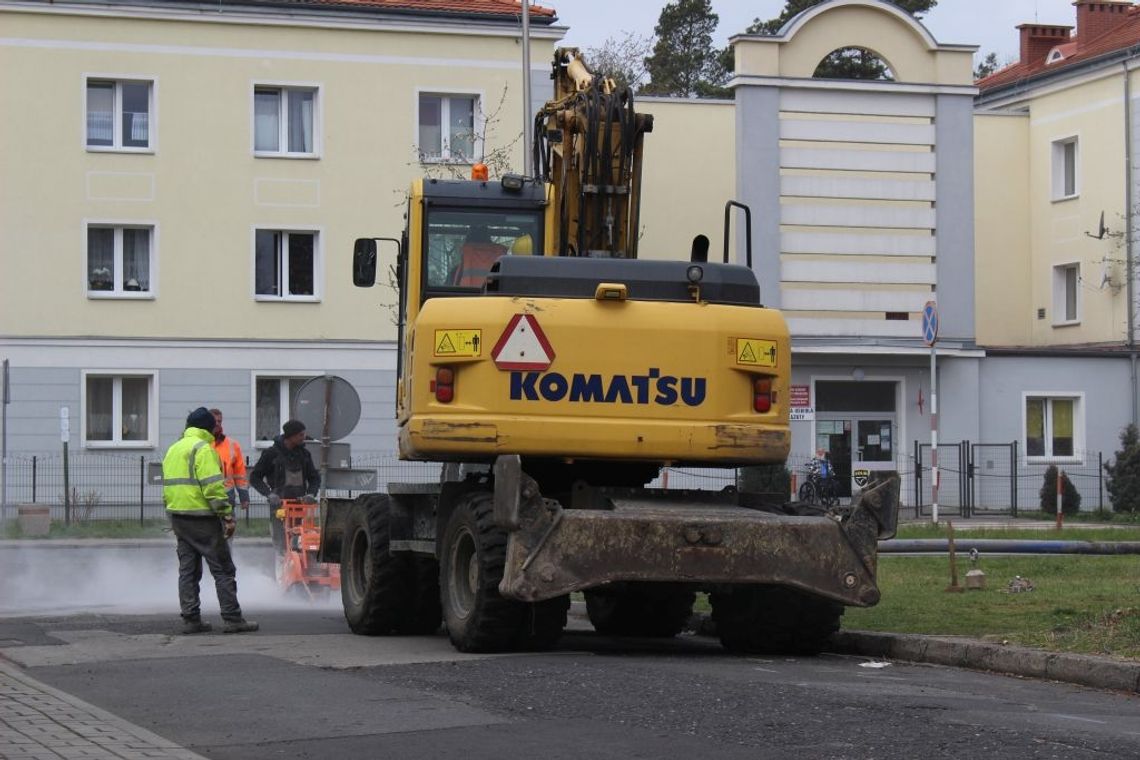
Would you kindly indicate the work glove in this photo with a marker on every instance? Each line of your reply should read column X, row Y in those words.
column 274, row 502
column 309, row 499
column 228, row 526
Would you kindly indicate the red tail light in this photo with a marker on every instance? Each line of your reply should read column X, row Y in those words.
column 444, row 385
column 762, row 394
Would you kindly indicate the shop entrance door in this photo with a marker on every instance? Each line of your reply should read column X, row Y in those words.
column 834, row 438
column 874, row 449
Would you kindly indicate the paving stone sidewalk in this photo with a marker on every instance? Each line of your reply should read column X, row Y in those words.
column 38, row 722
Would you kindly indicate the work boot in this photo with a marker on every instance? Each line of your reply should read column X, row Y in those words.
column 241, row 625
column 195, row 625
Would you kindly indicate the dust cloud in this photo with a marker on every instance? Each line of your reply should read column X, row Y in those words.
column 132, row 579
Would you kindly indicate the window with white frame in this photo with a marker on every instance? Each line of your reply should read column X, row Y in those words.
column 118, row 410
column 447, row 126
column 284, row 121
column 285, row 265
column 119, row 114
column 1066, row 163
column 120, row 261
column 274, row 398
column 1067, row 294
column 1053, row 426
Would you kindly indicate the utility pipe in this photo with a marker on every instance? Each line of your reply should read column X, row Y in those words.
column 1006, row 546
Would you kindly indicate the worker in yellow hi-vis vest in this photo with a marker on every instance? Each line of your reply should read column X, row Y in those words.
column 193, row 489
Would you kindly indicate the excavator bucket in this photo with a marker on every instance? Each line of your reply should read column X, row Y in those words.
column 688, row 536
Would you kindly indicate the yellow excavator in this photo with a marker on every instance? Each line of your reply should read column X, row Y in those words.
column 553, row 374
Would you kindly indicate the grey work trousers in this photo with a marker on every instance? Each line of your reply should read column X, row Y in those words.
column 202, row 537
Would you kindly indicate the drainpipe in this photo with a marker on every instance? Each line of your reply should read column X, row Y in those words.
column 1128, row 217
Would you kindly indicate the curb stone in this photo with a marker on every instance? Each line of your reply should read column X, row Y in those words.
column 1085, row 670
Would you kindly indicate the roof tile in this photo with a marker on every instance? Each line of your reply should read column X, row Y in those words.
column 1121, row 37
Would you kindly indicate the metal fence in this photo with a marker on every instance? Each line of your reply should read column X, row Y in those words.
column 977, row 479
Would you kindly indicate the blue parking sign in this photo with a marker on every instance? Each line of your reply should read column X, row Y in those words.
column 930, row 323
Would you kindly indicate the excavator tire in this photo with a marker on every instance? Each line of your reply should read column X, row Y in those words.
column 647, row 610
column 426, row 614
column 477, row 617
column 543, row 623
column 774, row 620
column 376, row 587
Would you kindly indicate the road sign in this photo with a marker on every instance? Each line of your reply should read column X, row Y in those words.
column 523, row 346
column 930, row 323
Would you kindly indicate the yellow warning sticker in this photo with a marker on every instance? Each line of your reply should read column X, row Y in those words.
column 756, row 352
column 458, row 343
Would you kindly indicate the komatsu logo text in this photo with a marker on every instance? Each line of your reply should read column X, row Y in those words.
column 650, row 388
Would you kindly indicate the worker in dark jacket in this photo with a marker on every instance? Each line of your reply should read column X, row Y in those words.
column 285, row 471
column 193, row 490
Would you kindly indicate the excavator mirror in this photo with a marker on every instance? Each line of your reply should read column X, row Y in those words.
column 364, row 263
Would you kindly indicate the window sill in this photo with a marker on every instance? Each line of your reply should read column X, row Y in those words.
column 291, row 156
column 119, row 446
column 112, row 149
column 1069, row 323
column 446, row 162
column 125, row 295
column 1063, row 198
column 1054, row 460
column 286, row 299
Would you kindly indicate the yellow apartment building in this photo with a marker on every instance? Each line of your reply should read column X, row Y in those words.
column 183, row 185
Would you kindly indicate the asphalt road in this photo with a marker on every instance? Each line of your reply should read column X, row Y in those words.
column 305, row 688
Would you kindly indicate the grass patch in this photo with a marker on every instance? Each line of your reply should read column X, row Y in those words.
column 1083, row 604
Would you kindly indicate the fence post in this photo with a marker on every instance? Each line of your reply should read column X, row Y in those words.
column 66, row 488
column 1100, row 480
column 35, row 459
column 142, row 487
column 1013, row 478
column 917, row 480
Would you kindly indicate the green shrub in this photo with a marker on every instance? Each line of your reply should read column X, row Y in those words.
column 1071, row 497
column 1124, row 473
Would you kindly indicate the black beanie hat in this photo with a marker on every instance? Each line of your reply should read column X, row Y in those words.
column 201, row 418
column 292, row 427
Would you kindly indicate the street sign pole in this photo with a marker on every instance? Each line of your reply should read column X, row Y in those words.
column 934, row 433
column 930, row 337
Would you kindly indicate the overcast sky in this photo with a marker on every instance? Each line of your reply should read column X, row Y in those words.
column 989, row 24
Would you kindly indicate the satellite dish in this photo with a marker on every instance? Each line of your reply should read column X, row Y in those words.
column 328, row 406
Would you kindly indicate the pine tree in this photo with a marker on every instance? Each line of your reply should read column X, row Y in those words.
column 1124, row 473
column 1070, row 496
column 848, row 63
column 988, row 66
column 684, row 62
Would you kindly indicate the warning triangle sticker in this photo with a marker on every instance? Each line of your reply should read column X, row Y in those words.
column 445, row 346
column 747, row 356
column 523, row 346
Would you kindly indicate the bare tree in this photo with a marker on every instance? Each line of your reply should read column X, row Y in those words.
column 622, row 59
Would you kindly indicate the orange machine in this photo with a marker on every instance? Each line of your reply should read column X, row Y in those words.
column 301, row 574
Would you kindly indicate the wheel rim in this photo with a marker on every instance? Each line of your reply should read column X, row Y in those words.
column 463, row 578
column 360, row 565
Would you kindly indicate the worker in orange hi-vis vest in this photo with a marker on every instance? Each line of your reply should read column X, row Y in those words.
column 477, row 255
column 233, row 464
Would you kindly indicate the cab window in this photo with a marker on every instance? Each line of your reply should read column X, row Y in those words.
column 463, row 244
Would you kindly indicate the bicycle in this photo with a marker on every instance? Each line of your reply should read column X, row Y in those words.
column 819, row 488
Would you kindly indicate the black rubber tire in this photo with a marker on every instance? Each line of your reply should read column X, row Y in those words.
column 774, row 620
column 640, row 609
column 426, row 614
column 542, row 623
column 376, row 587
column 829, row 492
column 477, row 617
